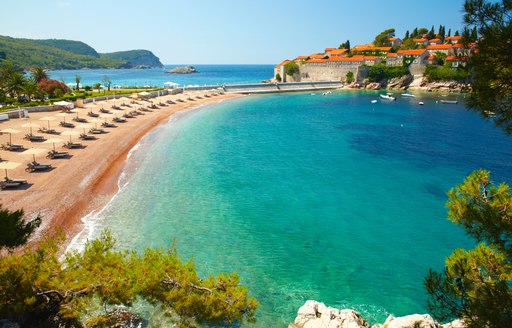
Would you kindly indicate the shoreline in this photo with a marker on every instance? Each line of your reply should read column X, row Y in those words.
column 87, row 181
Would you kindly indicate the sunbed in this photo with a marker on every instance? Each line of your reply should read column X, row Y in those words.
column 96, row 131
column 79, row 119
column 84, row 136
column 33, row 137
column 35, row 166
column 70, row 145
column 12, row 147
column 57, row 154
column 92, row 114
column 48, row 131
column 108, row 125
column 67, row 124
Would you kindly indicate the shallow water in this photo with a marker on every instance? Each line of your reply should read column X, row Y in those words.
column 306, row 196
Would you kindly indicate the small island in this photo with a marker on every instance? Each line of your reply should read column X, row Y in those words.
column 182, row 70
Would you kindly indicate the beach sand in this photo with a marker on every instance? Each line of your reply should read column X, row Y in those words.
column 88, row 179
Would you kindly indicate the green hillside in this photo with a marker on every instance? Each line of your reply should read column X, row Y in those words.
column 67, row 54
column 76, row 47
column 135, row 57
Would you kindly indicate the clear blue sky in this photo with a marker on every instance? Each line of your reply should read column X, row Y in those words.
column 222, row 31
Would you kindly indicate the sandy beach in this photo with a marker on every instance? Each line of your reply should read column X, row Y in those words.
column 87, row 179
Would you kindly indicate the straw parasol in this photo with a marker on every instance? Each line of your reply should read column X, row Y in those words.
column 48, row 118
column 10, row 131
column 64, row 115
column 53, row 141
column 8, row 166
column 83, row 126
column 95, row 121
column 30, row 125
column 34, row 152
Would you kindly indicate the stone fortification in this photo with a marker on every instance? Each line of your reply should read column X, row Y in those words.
column 316, row 315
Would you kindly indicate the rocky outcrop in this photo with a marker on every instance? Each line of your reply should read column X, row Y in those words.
column 182, row 70
column 314, row 314
column 400, row 83
column 443, row 86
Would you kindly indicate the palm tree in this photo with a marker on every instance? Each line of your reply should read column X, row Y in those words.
column 14, row 84
column 39, row 74
column 30, row 88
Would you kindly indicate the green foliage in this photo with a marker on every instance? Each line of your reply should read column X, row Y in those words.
column 75, row 47
column 36, row 288
column 382, row 39
column 291, row 68
column 492, row 85
column 14, row 231
column 476, row 285
column 278, row 77
column 135, row 57
column 27, row 53
column 345, row 45
column 433, row 73
column 349, row 78
column 382, row 72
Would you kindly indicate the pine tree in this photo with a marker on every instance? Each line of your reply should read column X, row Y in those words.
column 406, row 35
column 14, row 231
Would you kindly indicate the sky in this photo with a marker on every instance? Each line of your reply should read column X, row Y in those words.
column 222, row 31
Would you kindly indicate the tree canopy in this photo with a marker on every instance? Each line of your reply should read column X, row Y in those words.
column 291, row 68
column 14, row 231
column 476, row 284
column 382, row 39
column 492, row 65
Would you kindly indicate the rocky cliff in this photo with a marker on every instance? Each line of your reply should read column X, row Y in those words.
column 182, row 70
column 316, row 315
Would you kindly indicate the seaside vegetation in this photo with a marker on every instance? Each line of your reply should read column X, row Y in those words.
column 446, row 73
column 291, row 68
column 380, row 72
column 39, row 290
column 476, row 285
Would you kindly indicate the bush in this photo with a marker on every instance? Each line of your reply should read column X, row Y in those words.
column 349, row 78
column 381, row 72
column 278, row 77
column 291, row 68
column 433, row 73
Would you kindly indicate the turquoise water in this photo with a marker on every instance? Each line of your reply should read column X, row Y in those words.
column 156, row 77
column 305, row 196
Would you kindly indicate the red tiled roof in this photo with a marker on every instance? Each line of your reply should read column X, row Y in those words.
column 434, row 40
column 316, row 60
column 329, row 49
column 411, row 52
column 284, row 62
column 454, row 58
column 393, row 39
column 318, row 56
column 338, row 52
column 391, row 55
column 420, row 40
column 370, row 57
column 431, row 57
column 440, row 47
column 458, row 45
column 454, row 38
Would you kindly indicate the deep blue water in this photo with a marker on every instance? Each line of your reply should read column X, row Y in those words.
column 156, row 77
column 306, row 196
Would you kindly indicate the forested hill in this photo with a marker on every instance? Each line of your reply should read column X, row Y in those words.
column 76, row 47
column 135, row 57
column 67, row 54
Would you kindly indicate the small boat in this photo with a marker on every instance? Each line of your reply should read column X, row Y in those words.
column 408, row 94
column 421, row 103
column 374, row 101
column 387, row 97
column 453, row 102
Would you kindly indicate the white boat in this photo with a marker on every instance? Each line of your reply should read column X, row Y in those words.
column 374, row 101
column 387, row 97
column 407, row 94
column 421, row 103
column 448, row 101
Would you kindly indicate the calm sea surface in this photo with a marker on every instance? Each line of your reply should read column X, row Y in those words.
column 307, row 196
column 156, row 77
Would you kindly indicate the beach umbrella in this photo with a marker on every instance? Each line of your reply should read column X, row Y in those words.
column 10, row 131
column 64, row 115
column 64, row 104
column 95, row 121
column 53, row 141
column 34, row 152
column 48, row 118
column 83, row 126
column 30, row 125
column 70, row 133
column 8, row 166
column 105, row 116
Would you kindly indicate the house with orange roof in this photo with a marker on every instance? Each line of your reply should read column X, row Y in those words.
column 338, row 52
column 279, row 68
column 422, row 42
column 412, row 56
column 444, row 48
column 392, row 59
column 329, row 50
column 456, row 61
column 433, row 42
column 395, row 42
column 370, row 50
column 453, row 39
column 318, row 56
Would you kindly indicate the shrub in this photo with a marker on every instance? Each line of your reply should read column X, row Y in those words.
column 51, row 86
column 291, row 68
column 381, row 72
column 433, row 73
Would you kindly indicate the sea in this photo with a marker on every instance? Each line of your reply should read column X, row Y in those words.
column 333, row 197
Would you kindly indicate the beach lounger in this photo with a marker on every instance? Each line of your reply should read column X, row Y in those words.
column 35, row 166
column 190, row 99
column 11, row 183
column 48, row 131
column 92, row 114
column 57, row 154
column 119, row 119
column 96, row 131
column 115, row 107
column 104, row 111
column 144, row 109
column 71, row 145
column 161, row 104
column 170, row 102
column 66, row 124
column 79, row 119
column 108, row 125
column 32, row 137
column 126, row 105
column 84, row 136
column 128, row 115
column 12, row 147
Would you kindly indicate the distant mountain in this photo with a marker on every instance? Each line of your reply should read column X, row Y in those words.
column 76, row 47
column 68, row 54
column 137, row 58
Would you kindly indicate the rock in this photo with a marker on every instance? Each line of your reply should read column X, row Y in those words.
column 182, row 70
column 400, row 82
column 316, row 315
column 455, row 324
column 412, row 321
